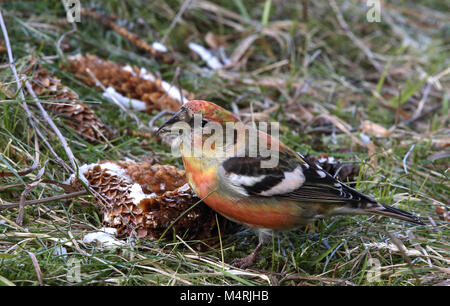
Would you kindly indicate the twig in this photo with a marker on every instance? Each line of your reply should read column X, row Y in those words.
column 29, row 170
column 4, row 187
column 59, row 160
column 386, row 105
column 418, row 112
column 399, row 244
column 180, row 91
column 422, row 101
column 340, row 125
column 421, row 115
column 66, row 187
column 55, row 129
column 77, row 246
column 69, row 153
column 24, row 194
column 298, row 93
column 44, row 113
column 370, row 56
column 36, row 267
column 21, row 172
column 21, row 94
column 44, row 200
column 166, row 92
column 406, row 158
column 58, row 43
column 52, row 125
column 30, row 187
column 177, row 18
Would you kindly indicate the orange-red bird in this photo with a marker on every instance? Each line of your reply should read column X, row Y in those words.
column 235, row 183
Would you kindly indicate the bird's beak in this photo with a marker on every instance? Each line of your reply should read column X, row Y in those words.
column 175, row 118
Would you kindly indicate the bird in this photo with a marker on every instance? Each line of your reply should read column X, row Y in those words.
column 244, row 185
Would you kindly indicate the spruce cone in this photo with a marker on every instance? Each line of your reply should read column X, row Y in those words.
column 154, row 178
column 130, row 82
column 79, row 115
column 132, row 199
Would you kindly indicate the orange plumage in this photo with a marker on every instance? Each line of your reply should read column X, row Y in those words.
column 233, row 176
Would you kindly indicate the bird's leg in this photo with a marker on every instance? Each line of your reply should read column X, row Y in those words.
column 250, row 259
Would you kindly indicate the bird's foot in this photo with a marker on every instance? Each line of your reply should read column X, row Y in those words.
column 245, row 262
column 249, row 260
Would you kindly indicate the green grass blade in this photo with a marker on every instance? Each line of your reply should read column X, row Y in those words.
column 241, row 7
column 383, row 76
column 266, row 13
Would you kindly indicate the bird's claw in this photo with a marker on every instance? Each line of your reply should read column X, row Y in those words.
column 245, row 262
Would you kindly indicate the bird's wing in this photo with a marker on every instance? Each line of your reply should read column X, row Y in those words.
column 320, row 186
column 295, row 177
column 304, row 181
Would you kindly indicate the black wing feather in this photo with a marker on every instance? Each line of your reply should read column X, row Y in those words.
column 251, row 167
column 325, row 189
column 319, row 186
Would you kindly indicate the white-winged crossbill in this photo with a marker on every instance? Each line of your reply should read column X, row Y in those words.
column 231, row 178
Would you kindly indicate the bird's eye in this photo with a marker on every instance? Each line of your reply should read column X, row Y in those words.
column 204, row 122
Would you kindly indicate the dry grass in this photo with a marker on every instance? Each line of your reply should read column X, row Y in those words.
column 321, row 72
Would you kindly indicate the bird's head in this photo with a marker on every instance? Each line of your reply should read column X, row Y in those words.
column 200, row 111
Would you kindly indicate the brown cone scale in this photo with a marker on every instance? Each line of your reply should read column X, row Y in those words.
column 127, row 83
column 66, row 104
column 151, row 216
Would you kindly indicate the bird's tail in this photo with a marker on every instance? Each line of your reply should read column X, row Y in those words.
column 392, row 212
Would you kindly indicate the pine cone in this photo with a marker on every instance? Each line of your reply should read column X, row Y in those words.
column 79, row 115
column 130, row 82
column 154, row 178
column 132, row 199
column 161, row 211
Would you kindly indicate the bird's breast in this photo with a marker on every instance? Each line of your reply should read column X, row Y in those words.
column 252, row 211
column 263, row 214
column 200, row 175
